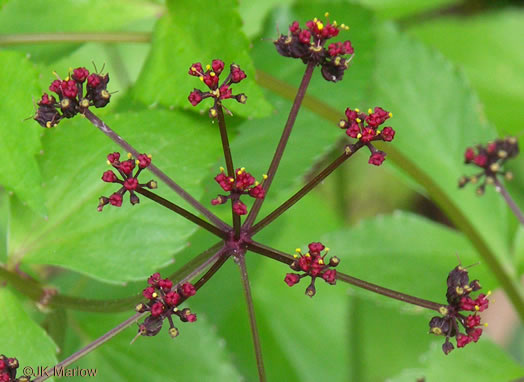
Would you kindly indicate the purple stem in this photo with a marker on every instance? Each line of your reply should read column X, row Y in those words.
column 155, row 170
column 282, row 144
column 509, row 200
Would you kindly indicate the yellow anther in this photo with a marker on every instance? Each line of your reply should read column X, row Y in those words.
column 315, row 20
column 264, row 176
column 378, row 132
column 175, row 309
column 212, row 74
column 295, row 256
column 231, row 180
column 320, row 261
column 335, row 23
column 107, row 161
column 257, row 183
column 326, row 249
column 221, row 169
column 357, row 110
column 242, row 169
column 370, row 111
column 320, row 26
column 193, row 69
column 486, row 324
column 239, row 172
column 297, row 250
column 347, row 150
column 129, row 155
column 477, row 308
column 213, row 113
column 154, row 295
column 473, row 179
column 494, row 167
column 48, row 124
column 67, row 78
column 201, row 78
column 150, row 156
column 459, row 290
column 326, row 14
column 488, row 294
column 443, row 310
column 358, row 120
column 307, row 255
column 390, row 115
column 502, row 154
column 436, row 331
column 137, row 162
column 208, row 67
column 359, row 135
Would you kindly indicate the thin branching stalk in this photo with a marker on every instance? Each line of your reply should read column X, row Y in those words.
column 282, row 143
column 72, row 37
column 182, row 212
column 155, row 170
column 509, row 200
column 240, row 259
column 229, row 161
column 217, row 257
column 288, row 259
column 348, row 152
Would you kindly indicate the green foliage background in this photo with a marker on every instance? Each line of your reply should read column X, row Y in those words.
column 451, row 79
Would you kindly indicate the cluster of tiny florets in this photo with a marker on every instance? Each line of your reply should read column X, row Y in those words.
column 242, row 183
column 71, row 97
column 163, row 301
column 308, row 44
column 460, row 301
column 312, row 264
column 217, row 90
column 490, row 158
column 8, row 368
column 129, row 181
column 366, row 128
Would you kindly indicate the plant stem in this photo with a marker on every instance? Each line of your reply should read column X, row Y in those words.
column 155, row 170
column 505, row 274
column 183, row 212
column 509, row 200
column 72, row 37
column 229, row 162
column 301, row 92
column 288, row 259
column 92, row 346
column 241, row 261
column 348, row 152
column 130, row 321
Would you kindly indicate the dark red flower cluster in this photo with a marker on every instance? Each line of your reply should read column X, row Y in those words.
column 490, row 159
column 218, row 91
column 71, row 97
column 308, row 45
column 242, row 183
column 163, row 301
column 313, row 264
column 129, row 181
column 365, row 128
column 8, row 368
column 459, row 300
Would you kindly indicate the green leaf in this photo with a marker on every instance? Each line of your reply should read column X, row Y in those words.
column 64, row 16
column 395, row 250
column 254, row 12
column 19, row 141
column 197, row 354
column 436, row 117
column 187, row 35
column 394, row 9
column 483, row 361
column 484, row 45
column 119, row 244
column 22, row 338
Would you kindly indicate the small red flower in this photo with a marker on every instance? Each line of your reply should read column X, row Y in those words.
column 242, row 183
column 377, row 158
column 72, row 99
column 129, row 181
column 162, row 303
column 308, row 44
column 218, row 91
column 312, row 264
column 490, row 158
column 459, row 300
